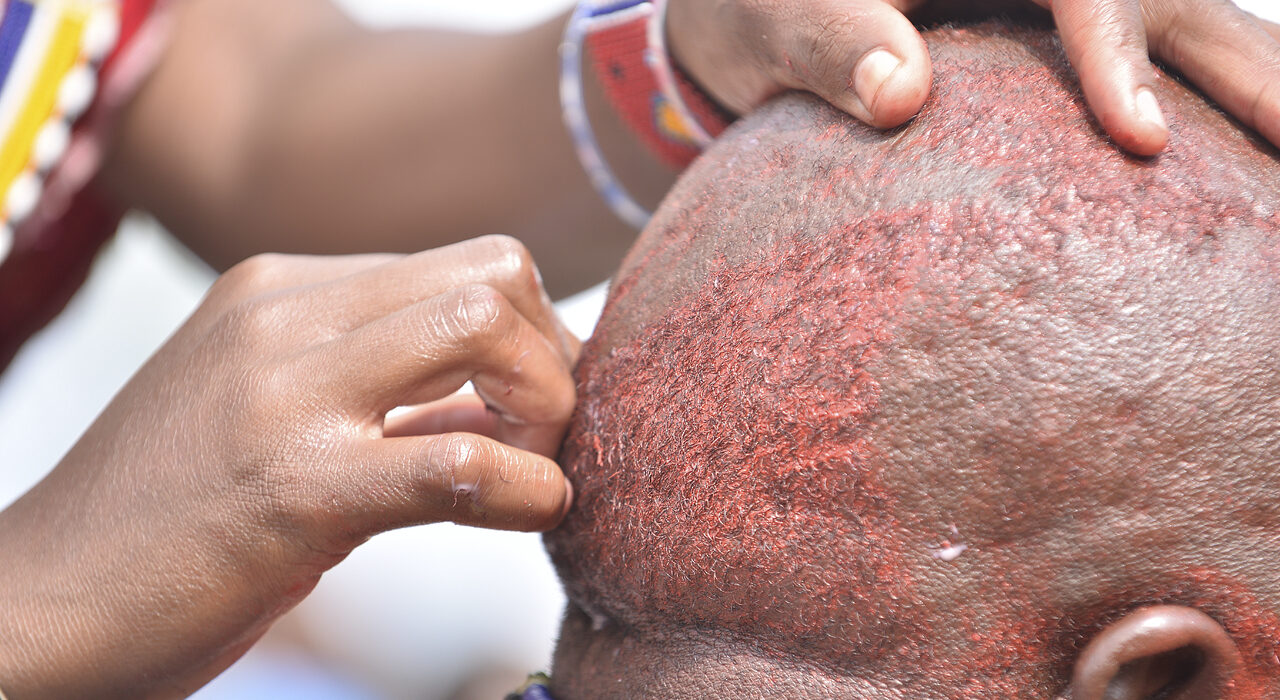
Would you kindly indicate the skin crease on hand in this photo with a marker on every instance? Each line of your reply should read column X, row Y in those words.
column 977, row 408
column 156, row 553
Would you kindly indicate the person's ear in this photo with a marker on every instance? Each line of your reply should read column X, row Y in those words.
column 1165, row 651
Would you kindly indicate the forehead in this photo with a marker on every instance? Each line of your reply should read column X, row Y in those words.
column 967, row 386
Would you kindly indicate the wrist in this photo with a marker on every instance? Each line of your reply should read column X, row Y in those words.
column 94, row 604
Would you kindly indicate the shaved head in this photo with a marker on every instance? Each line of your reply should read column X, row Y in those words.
column 920, row 414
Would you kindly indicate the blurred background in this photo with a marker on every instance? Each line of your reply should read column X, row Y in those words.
column 428, row 613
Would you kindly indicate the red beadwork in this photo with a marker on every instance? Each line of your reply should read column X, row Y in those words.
column 618, row 58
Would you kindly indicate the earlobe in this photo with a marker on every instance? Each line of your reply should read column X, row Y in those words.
column 1164, row 651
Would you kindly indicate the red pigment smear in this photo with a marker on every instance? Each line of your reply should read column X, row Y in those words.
column 734, row 426
column 723, row 452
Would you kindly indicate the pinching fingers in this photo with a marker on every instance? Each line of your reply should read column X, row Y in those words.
column 428, row 350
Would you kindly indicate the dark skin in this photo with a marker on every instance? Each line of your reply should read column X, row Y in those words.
column 976, row 408
column 251, row 454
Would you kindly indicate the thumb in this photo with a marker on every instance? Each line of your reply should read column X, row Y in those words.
column 863, row 56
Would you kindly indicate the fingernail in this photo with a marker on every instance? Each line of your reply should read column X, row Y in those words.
column 1149, row 108
column 568, row 499
column 871, row 73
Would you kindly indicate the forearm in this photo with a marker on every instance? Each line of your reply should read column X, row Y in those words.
column 339, row 140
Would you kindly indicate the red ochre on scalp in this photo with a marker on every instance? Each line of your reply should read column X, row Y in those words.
column 765, row 445
column 837, row 351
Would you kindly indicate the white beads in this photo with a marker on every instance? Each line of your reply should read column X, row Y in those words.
column 23, row 196
column 75, row 95
column 51, row 144
column 100, row 33
column 76, row 92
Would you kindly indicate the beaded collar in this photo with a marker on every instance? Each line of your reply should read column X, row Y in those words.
column 50, row 51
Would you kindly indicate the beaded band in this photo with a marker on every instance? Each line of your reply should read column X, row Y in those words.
column 54, row 247
column 672, row 85
column 626, row 42
column 575, row 119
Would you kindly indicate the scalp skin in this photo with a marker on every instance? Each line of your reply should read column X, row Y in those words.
column 915, row 414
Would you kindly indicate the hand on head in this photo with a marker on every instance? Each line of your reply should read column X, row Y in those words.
column 866, row 58
column 250, row 455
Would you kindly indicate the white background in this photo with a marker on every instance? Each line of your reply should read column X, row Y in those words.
column 413, row 608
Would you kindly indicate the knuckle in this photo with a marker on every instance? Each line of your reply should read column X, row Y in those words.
column 477, row 313
column 505, row 250
column 1178, row 28
column 456, row 464
column 1188, row 31
column 1183, row 13
column 1104, row 34
column 252, row 276
column 1128, row 33
column 826, row 47
column 256, row 322
column 511, row 264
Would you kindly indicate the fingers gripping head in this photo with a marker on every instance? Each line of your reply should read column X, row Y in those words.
column 920, row 414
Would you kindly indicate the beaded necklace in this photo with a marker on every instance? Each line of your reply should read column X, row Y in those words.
column 50, row 51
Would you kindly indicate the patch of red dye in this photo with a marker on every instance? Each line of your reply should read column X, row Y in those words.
column 732, row 450
column 765, row 402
